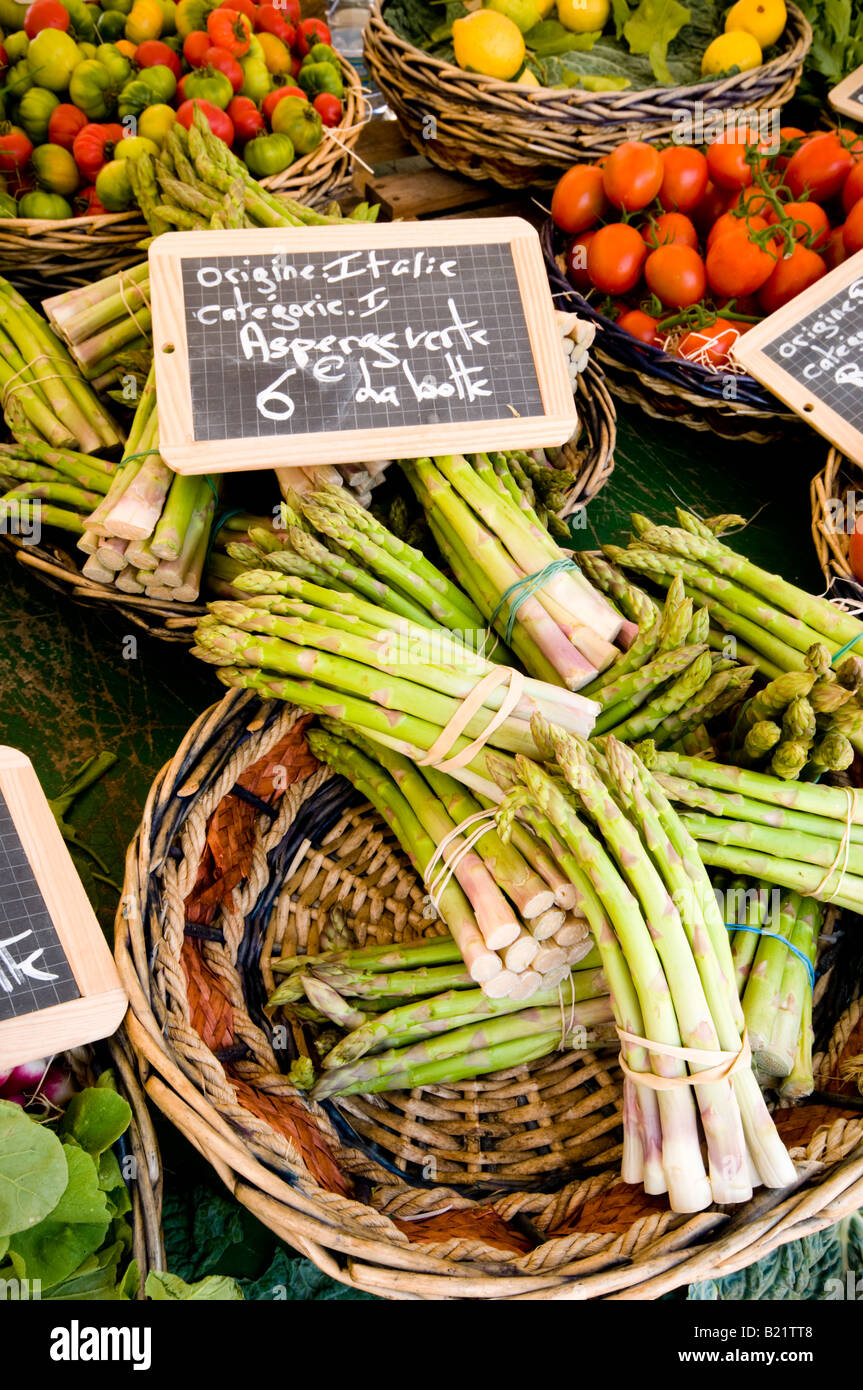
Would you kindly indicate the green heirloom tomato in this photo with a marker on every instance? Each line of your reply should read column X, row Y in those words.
column 16, row 46
column 191, row 15
column 256, row 48
column 117, row 64
column 206, row 84
column 135, row 97
column 257, row 79
column 321, row 77
column 53, row 56
column 155, row 123
column 12, row 14
column 81, row 18
column 160, row 80
column 93, row 90
column 55, row 169
column 110, row 26
column 119, row 6
column 301, row 122
column 169, row 17
column 19, row 79
column 113, row 188
column 34, row 113
column 322, row 53
column 8, row 206
column 87, row 50
column 50, row 206
column 134, row 146
column 268, row 154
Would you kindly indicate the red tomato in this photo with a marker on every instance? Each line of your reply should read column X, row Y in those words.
column 684, row 178
column 153, row 52
column 855, row 549
column 246, row 119
column 93, row 147
column 632, row 175
column 246, row 7
column 87, row 204
column 195, row 48
column 786, row 134
column 752, row 201
column 641, row 326
column 728, row 162
column 230, row 30
column 807, row 217
column 219, row 122
column 711, row 344
column 329, row 108
column 833, row 249
column 712, row 206
column 615, row 258
column 852, row 140
column 578, row 200
column 64, row 123
column 852, row 189
column 675, row 274
column 576, row 261
column 272, row 20
column 15, row 150
column 221, row 61
column 272, row 99
column 790, row 276
column 852, row 232
column 728, row 223
column 736, row 266
column 819, row 168
column 310, row 32
column 45, row 14
column 669, row 229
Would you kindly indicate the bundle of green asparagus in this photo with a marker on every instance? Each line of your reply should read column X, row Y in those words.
column 46, row 486
column 774, row 624
column 668, row 685
column 399, row 1030
column 524, row 585
column 666, row 955
column 797, row 835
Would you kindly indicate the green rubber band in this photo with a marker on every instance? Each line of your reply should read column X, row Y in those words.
column 130, row 458
column 523, row 589
column 846, row 648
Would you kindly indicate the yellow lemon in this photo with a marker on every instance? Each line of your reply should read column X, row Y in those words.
column 489, row 43
column 737, row 50
column 528, row 79
column 523, row 13
column 583, row 16
column 763, row 19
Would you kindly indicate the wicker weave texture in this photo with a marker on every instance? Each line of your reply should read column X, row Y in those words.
column 305, row 864
column 521, row 136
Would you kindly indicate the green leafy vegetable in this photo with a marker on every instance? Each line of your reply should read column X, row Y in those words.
column 170, row 1288
column 651, row 29
column 621, row 11
column 824, row 1266
column 549, row 38
column 77, row 1226
column 33, row 1172
column 837, row 48
column 96, row 1118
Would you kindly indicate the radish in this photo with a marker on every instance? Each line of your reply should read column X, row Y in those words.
column 28, row 1076
column 17, row 1098
column 4, row 1077
column 57, row 1087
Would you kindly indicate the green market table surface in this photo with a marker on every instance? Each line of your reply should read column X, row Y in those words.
column 75, row 681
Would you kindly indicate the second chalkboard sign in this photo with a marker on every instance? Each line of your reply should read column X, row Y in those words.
column 351, row 343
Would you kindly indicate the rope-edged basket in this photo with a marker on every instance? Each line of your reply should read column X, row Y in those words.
column 138, row 1143
column 506, row 1187
column 733, row 405
column 520, row 136
column 589, row 457
column 833, row 496
column 36, row 254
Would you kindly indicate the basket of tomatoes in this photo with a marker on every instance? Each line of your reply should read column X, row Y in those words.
column 84, row 87
column 676, row 252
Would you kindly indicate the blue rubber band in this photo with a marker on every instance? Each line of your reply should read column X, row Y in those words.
column 774, row 936
column 846, row 648
column 523, row 589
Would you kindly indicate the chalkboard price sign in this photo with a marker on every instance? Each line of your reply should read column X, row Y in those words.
column 810, row 353
column 352, row 343
column 847, row 97
column 58, row 984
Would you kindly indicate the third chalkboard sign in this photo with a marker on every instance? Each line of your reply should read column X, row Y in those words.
column 351, row 343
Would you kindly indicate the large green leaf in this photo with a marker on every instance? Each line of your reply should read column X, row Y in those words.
column 162, row 1287
column 651, row 29
column 56, row 1246
column 33, row 1170
column 96, row 1118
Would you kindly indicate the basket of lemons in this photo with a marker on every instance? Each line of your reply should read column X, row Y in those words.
column 516, row 90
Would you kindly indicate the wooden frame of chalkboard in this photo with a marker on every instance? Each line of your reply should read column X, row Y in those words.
column 214, row 379
column 818, row 341
column 847, row 95
column 43, row 905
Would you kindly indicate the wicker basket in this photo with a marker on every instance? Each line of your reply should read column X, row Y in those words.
column 36, row 254
column 521, row 136
column 506, row 1187
column 839, row 478
column 139, row 1142
column 668, row 387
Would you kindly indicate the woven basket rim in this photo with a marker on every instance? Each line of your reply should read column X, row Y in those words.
column 347, row 1238
column 799, row 36
column 832, row 554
